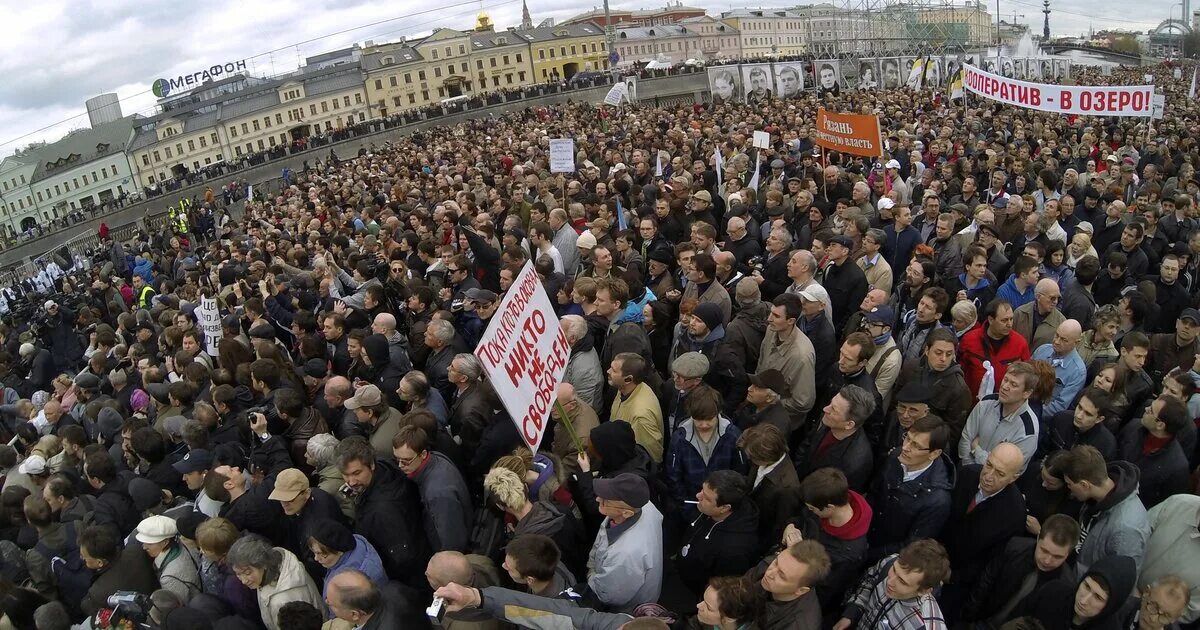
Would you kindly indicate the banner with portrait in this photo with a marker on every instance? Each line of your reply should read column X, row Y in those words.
column 891, row 72
column 758, row 83
column 868, row 74
column 724, row 83
column 789, row 79
column 828, row 73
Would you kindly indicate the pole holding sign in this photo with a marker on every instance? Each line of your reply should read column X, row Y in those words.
column 562, row 155
column 524, row 353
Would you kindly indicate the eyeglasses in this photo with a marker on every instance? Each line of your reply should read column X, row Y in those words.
column 910, row 443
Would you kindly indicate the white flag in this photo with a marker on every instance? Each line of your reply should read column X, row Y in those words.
column 754, row 179
column 1192, row 90
column 658, row 165
column 719, row 165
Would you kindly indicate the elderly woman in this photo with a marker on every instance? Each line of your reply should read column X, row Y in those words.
column 963, row 317
column 338, row 549
column 319, row 453
column 1081, row 244
column 176, row 569
column 1097, row 343
column 277, row 576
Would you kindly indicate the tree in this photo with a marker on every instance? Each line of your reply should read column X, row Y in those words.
column 1125, row 43
column 1191, row 45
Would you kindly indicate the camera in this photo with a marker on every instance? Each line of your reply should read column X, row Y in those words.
column 436, row 610
column 129, row 606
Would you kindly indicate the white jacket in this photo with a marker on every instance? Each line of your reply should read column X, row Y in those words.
column 293, row 584
column 627, row 572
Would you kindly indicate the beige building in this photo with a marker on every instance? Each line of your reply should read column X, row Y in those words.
column 241, row 123
column 560, row 52
column 958, row 25
column 769, row 32
column 714, row 39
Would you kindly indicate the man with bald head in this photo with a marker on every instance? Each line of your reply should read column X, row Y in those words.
column 1069, row 369
column 365, row 605
column 583, row 419
column 729, row 272
column 473, row 571
column 986, row 510
column 341, row 421
column 740, row 244
column 385, row 324
column 873, row 298
column 1038, row 320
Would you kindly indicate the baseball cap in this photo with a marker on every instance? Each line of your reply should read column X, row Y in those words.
column 771, row 379
column 815, row 293
column 892, row 164
column 288, row 485
column 368, row 396
column 33, row 465
column 156, row 529
column 50, row 304
column 316, row 368
column 587, row 240
column 196, row 460
column 885, row 203
column 625, row 487
column 844, row 241
column 1000, row 202
column 882, row 314
column 480, row 295
column 1190, row 313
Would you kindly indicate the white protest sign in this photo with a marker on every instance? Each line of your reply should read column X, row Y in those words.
column 525, row 353
column 762, row 139
column 562, row 155
column 616, row 93
column 210, row 322
column 1158, row 105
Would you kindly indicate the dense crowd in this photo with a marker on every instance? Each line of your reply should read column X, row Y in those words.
column 952, row 387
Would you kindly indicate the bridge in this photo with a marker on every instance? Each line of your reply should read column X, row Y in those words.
column 1115, row 56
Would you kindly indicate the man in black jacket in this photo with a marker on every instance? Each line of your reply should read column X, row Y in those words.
column 986, row 510
column 840, row 441
column 1024, row 566
column 388, row 510
column 845, row 280
column 911, row 498
column 354, row 598
column 723, row 540
column 1152, row 444
column 113, row 507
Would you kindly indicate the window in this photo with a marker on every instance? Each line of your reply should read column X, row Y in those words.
column 421, row 75
column 324, row 107
column 261, row 146
column 167, row 152
column 346, row 101
column 479, row 64
column 207, row 161
column 312, row 109
column 573, row 49
column 85, row 179
column 437, row 72
column 408, row 77
column 39, row 196
column 425, row 95
column 335, row 103
column 250, row 147
column 521, row 75
column 191, row 145
column 357, row 98
column 508, row 78
column 518, row 57
column 255, row 123
column 506, row 60
column 541, row 53
column 236, row 151
column 562, row 50
column 495, row 81
column 145, row 160
column 246, row 129
column 492, row 62
column 392, row 81
column 378, row 84
column 75, row 180
column 450, row 69
column 215, row 141
column 462, row 49
column 551, row 53
column 271, row 140
column 441, row 93
column 464, row 67
column 448, row 53
column 412, row 99
column 57, row 191
column 203, row 141
column 278, row 120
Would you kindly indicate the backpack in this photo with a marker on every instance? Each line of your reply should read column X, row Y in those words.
column 71, row 575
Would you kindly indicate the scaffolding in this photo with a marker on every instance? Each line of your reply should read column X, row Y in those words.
column 910, row 27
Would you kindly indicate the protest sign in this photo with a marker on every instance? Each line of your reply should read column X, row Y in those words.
column 210, row 322
column 525, row 353
column 616, row 93
column 857, row 134
column 1094, row 100
column 562, row 155
column 762, row 140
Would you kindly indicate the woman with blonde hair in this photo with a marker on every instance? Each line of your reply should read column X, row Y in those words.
column 543, row 475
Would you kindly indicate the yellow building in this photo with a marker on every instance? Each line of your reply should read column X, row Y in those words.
column 560, row 52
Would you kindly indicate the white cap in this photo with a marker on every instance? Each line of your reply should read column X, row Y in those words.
column 815, row 293
column 33, row 465
column 892, row 164
column 156, row 529
column 50, row 303
column 885, row 203
column 620, row 166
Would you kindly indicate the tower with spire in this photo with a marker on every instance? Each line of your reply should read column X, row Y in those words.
column 1046, row 23
column 526, row 20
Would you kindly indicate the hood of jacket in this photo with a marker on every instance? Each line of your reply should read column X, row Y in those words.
column 355, row 558
column 615, row 443
column 754, row 315
column 542, row 519
column 1126, row 476
column 983, row 282
column 1117, row 574
column 858, row 524
column 291, row 573
column 584, row 344
column 941, row 474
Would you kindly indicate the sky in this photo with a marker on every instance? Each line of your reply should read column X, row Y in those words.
column 63, row 52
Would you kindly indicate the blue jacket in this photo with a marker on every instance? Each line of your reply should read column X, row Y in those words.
column 1069, row 374
column 686, row 469
column 1009, row 291
column 143, row 267
column 898, row 248
column 362, row 558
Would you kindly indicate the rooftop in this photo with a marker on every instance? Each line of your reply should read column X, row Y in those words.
column 82, row 146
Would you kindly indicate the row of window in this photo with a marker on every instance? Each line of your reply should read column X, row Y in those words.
column 66, row 187
column 562, row 50
column 84, row 202
column 14, row 183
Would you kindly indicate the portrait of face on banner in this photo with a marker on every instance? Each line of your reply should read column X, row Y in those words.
column 868, row 74
column 933, row 72
column 952, row 66
column 1048, row 69
column 1019, row 69
column 724, row 85
column 890, row 72
column 828, row 73
column 756, row 80
column 789, row 79
column 1033, row 70
column 1062, row 69
column 1007, row 68
column 989, row 65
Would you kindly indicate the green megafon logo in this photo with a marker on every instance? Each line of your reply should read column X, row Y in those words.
column 161, row 87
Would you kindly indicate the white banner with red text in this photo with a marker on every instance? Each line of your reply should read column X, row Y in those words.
column 1082, row 100
column 525, row 353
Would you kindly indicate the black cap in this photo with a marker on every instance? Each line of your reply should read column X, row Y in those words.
column 844, row 241
column 1192, row 314
column 914, row 392
column 771, row 379
column 625, row 487
column 316, row 368
column 661, row 255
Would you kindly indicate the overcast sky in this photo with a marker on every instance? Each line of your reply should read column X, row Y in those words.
column 58, row 53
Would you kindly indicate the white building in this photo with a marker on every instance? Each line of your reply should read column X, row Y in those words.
column 715, row 39
column 769, row 32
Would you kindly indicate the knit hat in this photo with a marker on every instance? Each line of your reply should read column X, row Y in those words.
column 332, row 535
column 376, row 349
column 145, row 493
column 109, row 420
column 710, row 314
column 139, row 400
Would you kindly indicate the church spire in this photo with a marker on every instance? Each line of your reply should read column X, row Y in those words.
column 526, row 20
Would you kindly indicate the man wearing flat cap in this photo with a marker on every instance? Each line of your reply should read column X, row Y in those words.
column 625, row 564
column 763, row 403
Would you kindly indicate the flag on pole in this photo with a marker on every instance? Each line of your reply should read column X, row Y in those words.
column 622, row 223
column 719, row 165
column 1192, row 90
column 956, row 84
column 754, row 179
column 658, row 165
column 916, row 75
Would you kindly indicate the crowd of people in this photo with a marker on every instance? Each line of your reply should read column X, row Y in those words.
column 951, row 387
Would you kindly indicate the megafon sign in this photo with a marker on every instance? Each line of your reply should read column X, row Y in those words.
column 165, row 87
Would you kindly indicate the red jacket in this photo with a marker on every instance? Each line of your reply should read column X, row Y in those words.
column 972, row 353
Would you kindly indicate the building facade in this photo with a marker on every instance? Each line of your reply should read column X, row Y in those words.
column 560, row 52
column 768, row 33
column 714, row 39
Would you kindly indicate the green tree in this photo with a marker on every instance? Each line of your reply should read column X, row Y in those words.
column 1126, row 43
column 1191, row 45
